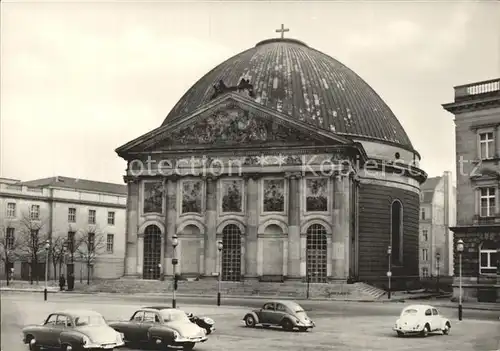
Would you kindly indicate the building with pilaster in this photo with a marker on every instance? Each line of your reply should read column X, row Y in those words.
column 437, row 215
column 67, row 212
column 477, row 120
column 289, row 159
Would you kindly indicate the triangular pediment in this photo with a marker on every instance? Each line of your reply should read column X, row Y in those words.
column 232, row 121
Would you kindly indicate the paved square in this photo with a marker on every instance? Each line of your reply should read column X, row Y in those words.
column 333, row 330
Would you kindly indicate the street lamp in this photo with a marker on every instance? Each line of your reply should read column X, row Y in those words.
column 438, row 257
column 175, row 242
column 220, row 246
column 47, row 247
column 7, row 266
column 389, row 271
column 460, row 249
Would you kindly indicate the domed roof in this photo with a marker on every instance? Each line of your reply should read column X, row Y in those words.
column 296, row 80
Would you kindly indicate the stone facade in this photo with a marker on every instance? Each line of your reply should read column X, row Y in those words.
column 298, row 203
column 437, row 215
column 63, row 206
column 477, row 119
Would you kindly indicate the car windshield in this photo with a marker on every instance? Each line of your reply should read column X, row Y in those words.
column 409, row 312
column 82, row 320
column 174, row 316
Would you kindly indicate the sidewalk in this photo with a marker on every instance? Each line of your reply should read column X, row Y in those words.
column 398, row 299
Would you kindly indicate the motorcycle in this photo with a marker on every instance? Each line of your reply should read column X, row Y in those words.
column 203, row 322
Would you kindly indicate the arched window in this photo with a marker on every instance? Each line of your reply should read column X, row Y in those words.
column 152, row 252
column 397, row 233
column 231, row 253
column 316, row 253
column 488, row 257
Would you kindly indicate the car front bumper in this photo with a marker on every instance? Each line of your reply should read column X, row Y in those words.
column 107, row 346
column 407, row 331
column 192, row 339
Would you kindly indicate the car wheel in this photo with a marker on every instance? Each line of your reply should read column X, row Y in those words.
column 446, row 329
column 401, row 334
column 425, row 331
column 287, row 325
column 250, row 321
column 188, row 346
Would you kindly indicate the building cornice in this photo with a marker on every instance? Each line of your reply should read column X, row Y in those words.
column 473, row 105
column 61, row 200
column 476, row 228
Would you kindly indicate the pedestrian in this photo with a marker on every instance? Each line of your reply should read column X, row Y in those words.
column 62, row 282
column 11, row 274
column 71, row 281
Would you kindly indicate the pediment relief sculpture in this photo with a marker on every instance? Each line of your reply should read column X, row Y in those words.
column 233, row 127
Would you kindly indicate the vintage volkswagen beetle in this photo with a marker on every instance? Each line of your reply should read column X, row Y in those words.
column 72, row 330
column 421, row 320
column 286, row 314
column 161, row 327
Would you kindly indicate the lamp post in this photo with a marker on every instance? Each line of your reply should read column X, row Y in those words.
column 7, row 265
column 47, row 247
column 389, row 271
column 220, row 246
column 460, row 249
column 175, row 242
column 438, row 258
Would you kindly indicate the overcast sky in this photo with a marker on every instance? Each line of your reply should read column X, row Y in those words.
column 79, row 79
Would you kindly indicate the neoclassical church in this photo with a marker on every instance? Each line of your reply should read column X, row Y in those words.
column 290, row 160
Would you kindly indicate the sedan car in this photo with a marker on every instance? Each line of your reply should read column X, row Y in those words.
column 72, row 330
column 421, row 320
column 286, row 314
column 161, row 327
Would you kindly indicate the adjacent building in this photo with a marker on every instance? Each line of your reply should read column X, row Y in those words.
column 296, row 174
column 477, row 125
column 437, row 215
column 75, row 215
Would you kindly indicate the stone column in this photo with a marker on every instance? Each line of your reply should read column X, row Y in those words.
column 131, row 222
column 341, row 227
column 293, row 268
column 170, row 223
column 210, row 235
column 140, row 254
column 252, row 212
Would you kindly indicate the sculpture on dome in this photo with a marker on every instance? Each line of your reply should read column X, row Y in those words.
column 244, row 85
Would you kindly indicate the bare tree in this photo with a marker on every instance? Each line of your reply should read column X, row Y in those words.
column 32, row 241
column 91, row 244
column 9, row 244
column 57, row 253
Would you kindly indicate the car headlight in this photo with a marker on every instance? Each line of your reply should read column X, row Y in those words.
column 176, row 335
column 86, row 340
column 119, row 337
column 208, row 320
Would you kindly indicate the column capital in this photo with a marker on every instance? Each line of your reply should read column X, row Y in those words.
column 210, row 178
column 131, row 179
column 172, row 177
column 293, row 175
column 253, row 176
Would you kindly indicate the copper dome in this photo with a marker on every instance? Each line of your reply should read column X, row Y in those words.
column 304, row 83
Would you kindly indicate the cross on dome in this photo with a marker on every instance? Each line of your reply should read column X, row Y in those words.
column 282, row 31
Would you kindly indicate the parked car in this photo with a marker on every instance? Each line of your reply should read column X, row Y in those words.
column 203, row 322
column 421, row 320
column 286, row 314
column 72, row 330
column 160, row 326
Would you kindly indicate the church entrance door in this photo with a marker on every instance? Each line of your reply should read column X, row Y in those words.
column 152, row 253
column 316, row 253
column 231, row 253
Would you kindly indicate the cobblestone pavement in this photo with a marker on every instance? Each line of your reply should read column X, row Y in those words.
column 333, row 331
